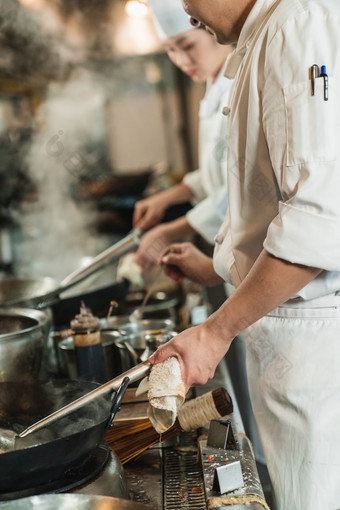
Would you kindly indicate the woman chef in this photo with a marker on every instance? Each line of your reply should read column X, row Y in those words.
column 198, row 55
column 280, row 242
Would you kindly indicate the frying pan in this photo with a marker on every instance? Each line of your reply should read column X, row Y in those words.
column 46, row 455
column 43, row 292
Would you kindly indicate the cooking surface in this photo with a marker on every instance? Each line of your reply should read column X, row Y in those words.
column 73, row 502
column 169, row 476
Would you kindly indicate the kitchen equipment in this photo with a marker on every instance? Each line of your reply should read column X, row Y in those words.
column 132, row 437
column 134, row 374
column 96, row 299
column 160, row 305
column 88, row 346
column 122, row 324
column 40, row 293
column 138, row 346
column 73, row 502
column 23, row 335
column 137, row 314
column 112, row 359
column 48, row 455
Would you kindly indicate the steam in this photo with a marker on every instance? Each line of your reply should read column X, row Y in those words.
column 49, row 54
column 56, row 229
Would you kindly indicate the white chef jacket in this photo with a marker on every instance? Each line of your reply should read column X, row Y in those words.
column 208, row 183
column 283, row 166
column 283, row 182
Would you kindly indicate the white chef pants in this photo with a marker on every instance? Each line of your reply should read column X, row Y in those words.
column 293, row 366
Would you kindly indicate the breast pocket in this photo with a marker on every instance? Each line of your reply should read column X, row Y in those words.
column 310, row 123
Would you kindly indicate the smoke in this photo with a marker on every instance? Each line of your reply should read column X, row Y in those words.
column 55, row 228
column 45, row 47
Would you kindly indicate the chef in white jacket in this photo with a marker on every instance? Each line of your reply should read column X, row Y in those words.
column 203, row 59
column 197, row 54
column 280, row 242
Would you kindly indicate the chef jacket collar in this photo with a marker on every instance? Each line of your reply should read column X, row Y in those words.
column 254, row 20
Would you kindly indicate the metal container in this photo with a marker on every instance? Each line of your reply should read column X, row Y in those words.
column 23, row 336
column 67, row 356
column 126, row 327
column 121, row 351
column 161, row 305
column 137, row 346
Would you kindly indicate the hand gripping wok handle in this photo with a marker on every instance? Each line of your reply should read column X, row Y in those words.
column 114, row 252
column 134, row 374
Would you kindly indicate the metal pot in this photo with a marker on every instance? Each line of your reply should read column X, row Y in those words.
column 23, row 336
column 67, row 357
column 131, row 349
column 122, row 324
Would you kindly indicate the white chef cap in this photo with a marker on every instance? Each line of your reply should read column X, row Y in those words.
column 169, row 17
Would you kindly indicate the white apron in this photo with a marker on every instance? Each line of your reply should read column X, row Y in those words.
column 293, row 358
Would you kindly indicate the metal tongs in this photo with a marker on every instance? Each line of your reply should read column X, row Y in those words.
column 134, row 374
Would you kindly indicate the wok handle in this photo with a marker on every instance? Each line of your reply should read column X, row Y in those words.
column 134, row 374
column 117, row 400
column 128, row 243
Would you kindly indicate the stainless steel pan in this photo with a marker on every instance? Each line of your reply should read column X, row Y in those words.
column 42, row 292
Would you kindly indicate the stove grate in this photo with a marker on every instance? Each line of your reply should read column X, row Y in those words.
column 183, row 479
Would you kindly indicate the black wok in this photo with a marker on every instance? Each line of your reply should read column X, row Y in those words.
column 46, row 455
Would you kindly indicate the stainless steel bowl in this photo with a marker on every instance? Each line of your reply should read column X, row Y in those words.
column 23, row 336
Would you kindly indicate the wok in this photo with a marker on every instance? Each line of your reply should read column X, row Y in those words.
column 44, row 292
column 46, row 455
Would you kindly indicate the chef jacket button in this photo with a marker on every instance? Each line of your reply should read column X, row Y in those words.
column 226, row 110
column 218, row 239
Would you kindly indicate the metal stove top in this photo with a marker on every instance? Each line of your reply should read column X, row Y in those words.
column 100, row 474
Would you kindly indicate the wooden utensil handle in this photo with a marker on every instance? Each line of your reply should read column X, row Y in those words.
column 198, row 412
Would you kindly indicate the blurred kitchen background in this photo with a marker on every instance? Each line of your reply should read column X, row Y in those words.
column 93, row 116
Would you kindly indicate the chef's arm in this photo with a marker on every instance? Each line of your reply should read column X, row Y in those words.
column 150, row 211
column 270, row 283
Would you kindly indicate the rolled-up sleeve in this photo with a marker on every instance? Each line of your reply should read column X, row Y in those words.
column 306, row 238
column 302, row 133
column 194, row 181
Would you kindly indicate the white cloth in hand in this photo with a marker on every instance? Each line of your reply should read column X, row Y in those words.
column 166, row 393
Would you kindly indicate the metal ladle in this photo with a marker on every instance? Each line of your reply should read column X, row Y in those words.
column 138, row 313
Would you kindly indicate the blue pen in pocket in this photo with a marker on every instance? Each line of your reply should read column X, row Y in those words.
column 325, row 82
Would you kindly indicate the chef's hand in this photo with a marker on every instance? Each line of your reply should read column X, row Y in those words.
column 184, row 260
column 152, row 245
column 198, row 349
column 149, row 212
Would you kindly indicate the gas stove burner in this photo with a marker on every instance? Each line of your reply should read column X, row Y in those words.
column 74, row 478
